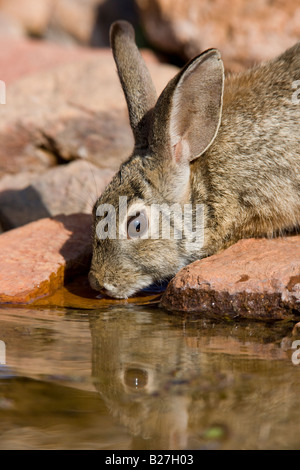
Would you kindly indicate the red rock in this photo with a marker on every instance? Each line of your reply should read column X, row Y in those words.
column 253, row 278
column 245, row 32
column 72, row 111
column 36, row 259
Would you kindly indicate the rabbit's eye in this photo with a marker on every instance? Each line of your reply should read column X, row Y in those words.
column 137, row 225
column 135, row 378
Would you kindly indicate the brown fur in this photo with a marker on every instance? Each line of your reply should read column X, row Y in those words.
column 237, row 153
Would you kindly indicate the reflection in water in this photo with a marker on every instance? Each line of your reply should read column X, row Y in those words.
column 135, row 377
column 196, row 384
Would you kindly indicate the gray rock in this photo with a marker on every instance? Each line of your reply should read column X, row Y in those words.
column 65, row 189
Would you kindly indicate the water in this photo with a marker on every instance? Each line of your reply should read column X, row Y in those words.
column 137, row 377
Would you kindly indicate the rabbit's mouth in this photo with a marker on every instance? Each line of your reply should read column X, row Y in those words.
column 118, row 291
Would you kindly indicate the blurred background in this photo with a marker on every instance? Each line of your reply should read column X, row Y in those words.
column 245, row 31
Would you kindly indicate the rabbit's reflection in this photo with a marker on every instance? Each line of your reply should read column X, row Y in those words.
column 139, row 371
column 171, row 383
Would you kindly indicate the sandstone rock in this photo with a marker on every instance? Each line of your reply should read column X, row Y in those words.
column 37, row 259
column 253, row 278
column 73, row 111
column 65, row 189
column 245, row 33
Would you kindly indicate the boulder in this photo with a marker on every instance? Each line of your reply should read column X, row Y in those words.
column 255, row 278
column 65, row 189
column 38, row 258
column 244, row 32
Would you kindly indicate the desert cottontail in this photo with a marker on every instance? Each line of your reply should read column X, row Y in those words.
column 230, row 148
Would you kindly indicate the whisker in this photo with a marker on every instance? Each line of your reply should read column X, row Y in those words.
column 95, row 181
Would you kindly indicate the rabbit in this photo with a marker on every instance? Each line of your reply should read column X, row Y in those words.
column 230, row 145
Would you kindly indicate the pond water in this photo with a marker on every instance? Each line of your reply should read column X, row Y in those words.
column 129, row 376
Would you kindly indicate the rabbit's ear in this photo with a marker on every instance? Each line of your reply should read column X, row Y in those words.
column 188, row 113
column 135, row 79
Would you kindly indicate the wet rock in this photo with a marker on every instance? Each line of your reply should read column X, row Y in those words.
column 72, row 111
column 36, row 259
column 78, row 294
column 253, row 279
column 245, row 33
column 65, row 189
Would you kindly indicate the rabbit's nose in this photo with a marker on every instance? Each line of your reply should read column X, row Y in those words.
column 96, row 284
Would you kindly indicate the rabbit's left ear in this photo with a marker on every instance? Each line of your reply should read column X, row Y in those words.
column 135, row 79
column 188, row 113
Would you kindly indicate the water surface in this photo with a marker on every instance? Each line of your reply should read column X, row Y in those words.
column 137, row 377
